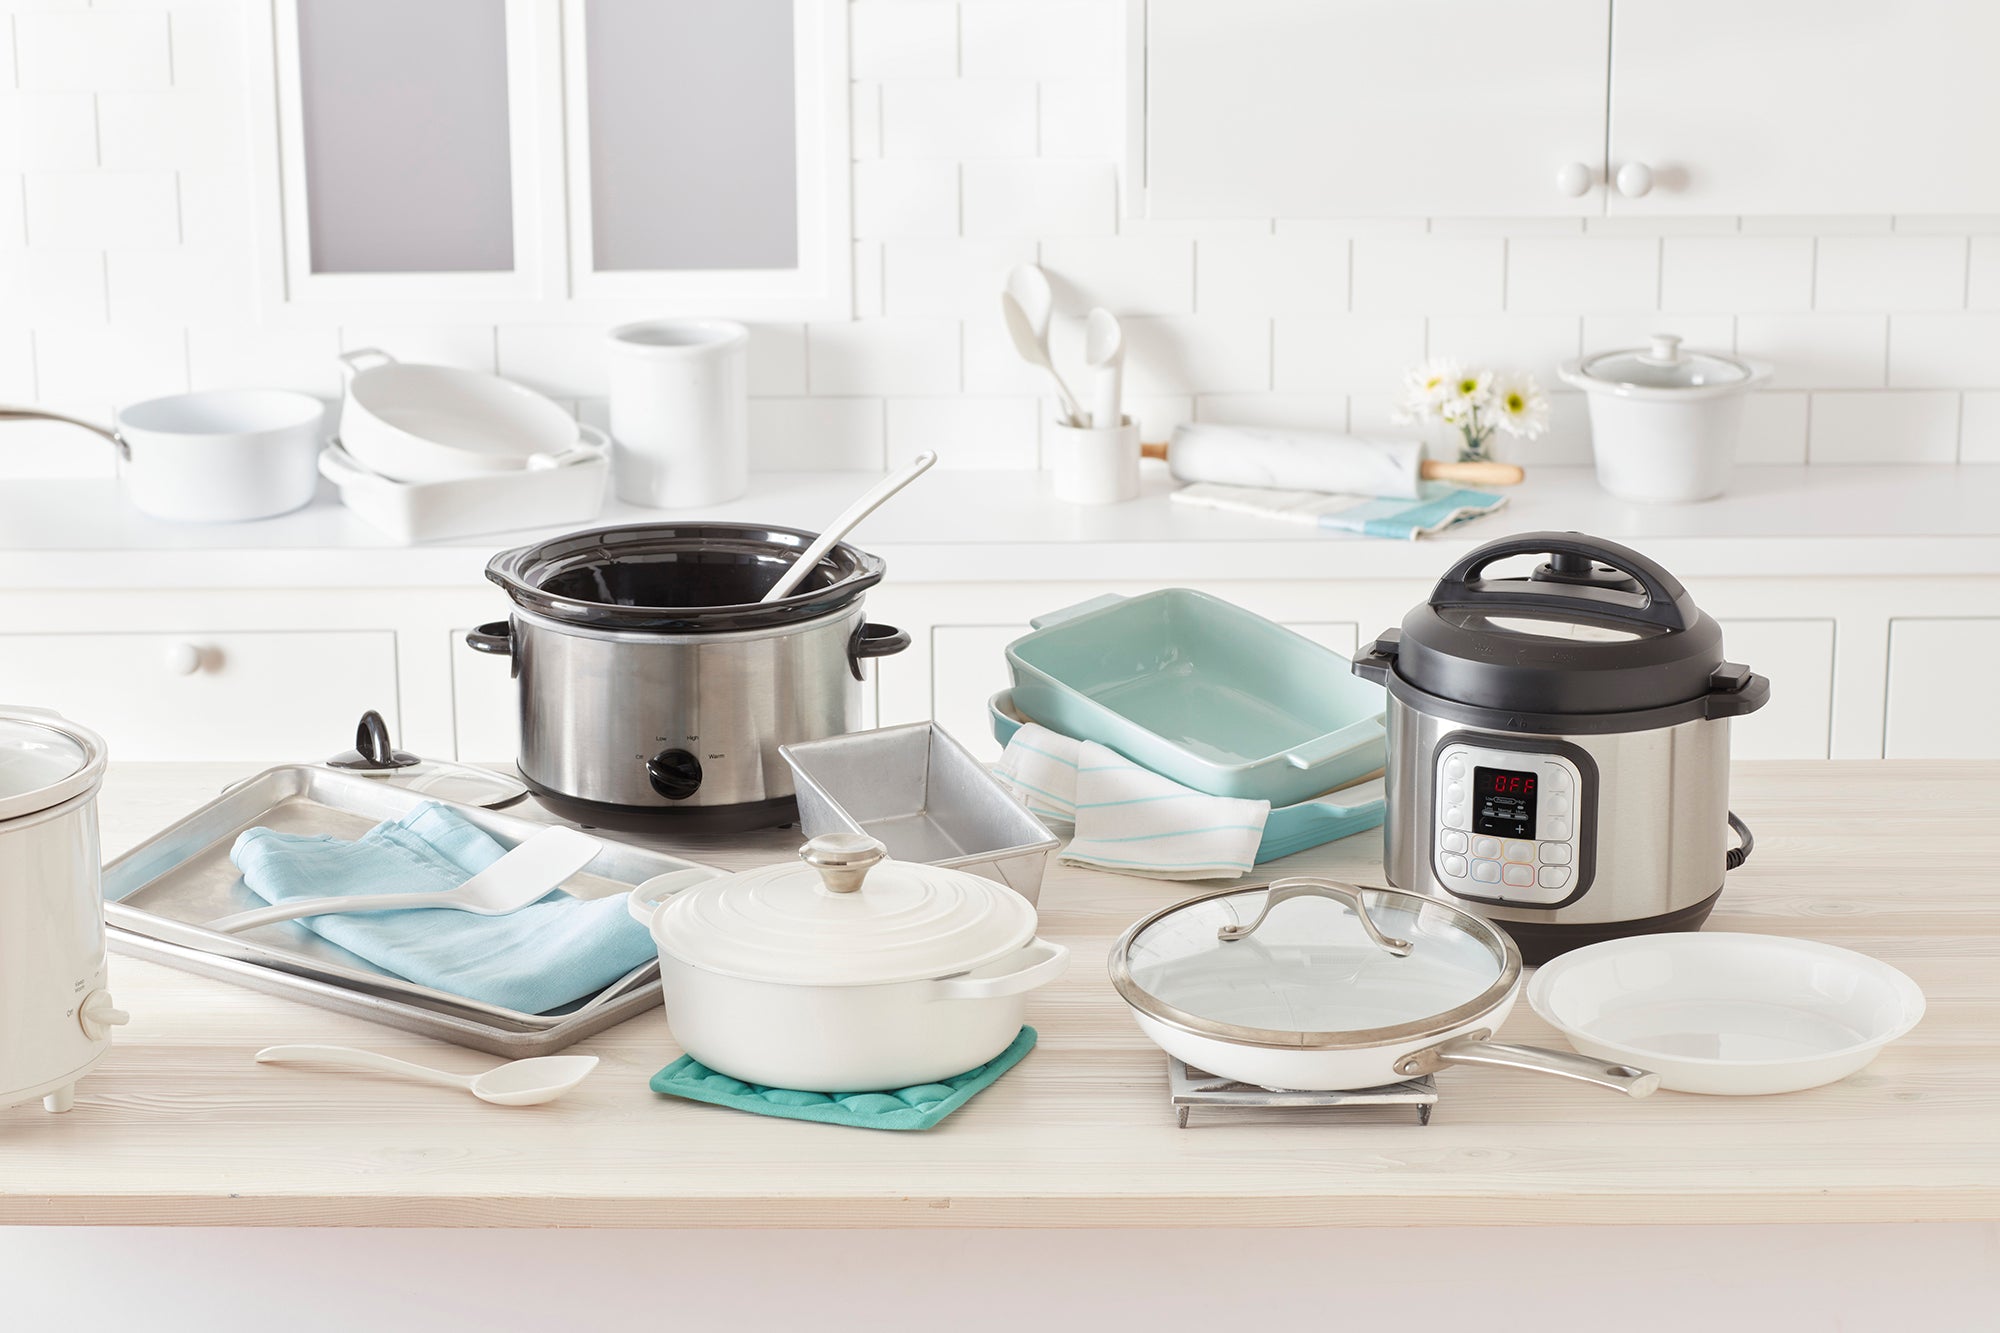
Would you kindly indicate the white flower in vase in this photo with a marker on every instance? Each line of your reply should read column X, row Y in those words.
column 1520, row 408
column 1424, row 391
column 1474, row 403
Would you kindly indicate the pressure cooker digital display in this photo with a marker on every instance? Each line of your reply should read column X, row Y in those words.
column 1503, row 802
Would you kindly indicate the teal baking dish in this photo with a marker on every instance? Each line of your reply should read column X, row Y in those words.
column 1203, row 692
column 1288, row 828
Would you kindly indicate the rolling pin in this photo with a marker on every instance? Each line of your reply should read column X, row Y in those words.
column 1315, row 461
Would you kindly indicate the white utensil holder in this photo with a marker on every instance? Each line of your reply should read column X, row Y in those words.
column 680, row 411
column 1095, row 465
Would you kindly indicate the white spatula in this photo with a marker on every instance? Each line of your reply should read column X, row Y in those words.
column 840, row 527
column 528, row 873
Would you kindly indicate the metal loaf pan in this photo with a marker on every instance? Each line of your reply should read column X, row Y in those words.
column 918, row 792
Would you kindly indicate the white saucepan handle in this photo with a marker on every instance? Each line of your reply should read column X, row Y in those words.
column 1045, row 961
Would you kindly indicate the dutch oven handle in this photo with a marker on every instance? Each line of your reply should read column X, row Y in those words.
column 1660, row 600
column 874, row 641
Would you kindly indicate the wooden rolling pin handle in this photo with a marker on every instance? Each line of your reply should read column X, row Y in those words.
column 1156, row 450
column 1471, row 474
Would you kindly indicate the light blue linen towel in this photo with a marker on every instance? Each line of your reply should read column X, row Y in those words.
column 1438, row 506
column 542, row 957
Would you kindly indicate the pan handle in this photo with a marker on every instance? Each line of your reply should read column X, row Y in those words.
column 1349, row 895
column 1473, row 1048
column 36, row 414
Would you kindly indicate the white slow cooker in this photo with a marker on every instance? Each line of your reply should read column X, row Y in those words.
column 55, row 1014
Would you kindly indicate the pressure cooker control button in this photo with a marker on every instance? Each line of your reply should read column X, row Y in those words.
column 1454, row 865
column 1454, row 767
column 1486, row 847
column 1451, row 840
column 1523, row 852
column 1554, row 877
column 675, row 774
column 99, row 1015
column 1559, row 805
column 1454, row 816
column 1518, row 876
column 1486, row 872
column 1555, row 779
column 1454, row 794
column 1557, row 829
column 1555, row 854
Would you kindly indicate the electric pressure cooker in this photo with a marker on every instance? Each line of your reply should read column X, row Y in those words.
column 655, row 688
column 1558, row 744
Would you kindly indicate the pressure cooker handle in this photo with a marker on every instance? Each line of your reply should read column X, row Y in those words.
column 1661, row 601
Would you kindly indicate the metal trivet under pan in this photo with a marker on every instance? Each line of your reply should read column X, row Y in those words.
column 1190, row 1087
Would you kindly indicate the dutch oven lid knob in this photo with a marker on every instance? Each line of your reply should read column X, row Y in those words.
column 843, row 859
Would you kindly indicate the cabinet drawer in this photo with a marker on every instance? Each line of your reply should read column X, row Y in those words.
column 267, row 696
column 1939, row 706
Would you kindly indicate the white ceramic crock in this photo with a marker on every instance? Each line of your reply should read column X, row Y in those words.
column 680, row 412
column 847, row 972
column 1664, row 422
column 55, row 1015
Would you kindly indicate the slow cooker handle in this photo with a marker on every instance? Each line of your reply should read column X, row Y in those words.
column 1666, row 604
column 874, row 641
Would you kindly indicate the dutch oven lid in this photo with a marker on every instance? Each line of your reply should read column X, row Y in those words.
column 698, row 577
column 1598, row 629
column 844, row 915
column 44, row 761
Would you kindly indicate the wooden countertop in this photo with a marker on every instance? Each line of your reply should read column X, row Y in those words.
column 178, row 1126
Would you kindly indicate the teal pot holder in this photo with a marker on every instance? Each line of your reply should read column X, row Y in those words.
column 907, row 1108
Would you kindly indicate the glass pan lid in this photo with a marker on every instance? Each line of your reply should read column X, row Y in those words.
column 43, row 763
column 1307, row 973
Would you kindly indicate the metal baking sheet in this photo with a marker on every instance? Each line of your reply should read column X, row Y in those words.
column 167, row 887
column 403, row 1014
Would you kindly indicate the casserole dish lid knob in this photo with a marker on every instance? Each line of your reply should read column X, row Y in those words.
column 844, row 914
column 1598, row 628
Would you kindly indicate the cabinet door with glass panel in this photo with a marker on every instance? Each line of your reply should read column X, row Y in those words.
column 555, row 160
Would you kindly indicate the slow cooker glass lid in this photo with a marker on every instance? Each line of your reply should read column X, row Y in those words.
column 1310, row 968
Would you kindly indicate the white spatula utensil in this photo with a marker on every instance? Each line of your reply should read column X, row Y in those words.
column 1104, row 354
column 1027, row 305
column 517, row 1083
column 529, row 872
column 870, row 501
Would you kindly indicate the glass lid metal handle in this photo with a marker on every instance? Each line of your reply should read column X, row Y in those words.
column 1348, row 895
column 1662, row 601
column 842, row 859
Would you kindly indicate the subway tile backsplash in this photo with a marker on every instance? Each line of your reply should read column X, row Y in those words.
column 986, row 133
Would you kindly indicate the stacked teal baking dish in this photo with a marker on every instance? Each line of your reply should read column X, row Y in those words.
column 1212, row 696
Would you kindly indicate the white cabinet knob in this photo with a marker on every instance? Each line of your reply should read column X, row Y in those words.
column 1575, row 179
column 99, row 1015
column 1635, row 179
column 182, row 659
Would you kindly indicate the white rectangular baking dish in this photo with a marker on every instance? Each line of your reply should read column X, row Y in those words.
column 425, row 511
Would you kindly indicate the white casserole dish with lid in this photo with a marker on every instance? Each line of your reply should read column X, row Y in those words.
column 846, row 971
column 1664, row 420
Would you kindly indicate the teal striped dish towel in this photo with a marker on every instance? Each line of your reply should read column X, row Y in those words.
column 1129, row 819
column 1438, row 506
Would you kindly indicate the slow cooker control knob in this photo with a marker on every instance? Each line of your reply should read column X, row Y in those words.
column 99, row 1015
column 675, row 774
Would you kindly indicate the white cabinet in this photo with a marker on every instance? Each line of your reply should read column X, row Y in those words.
column 1797, row 657
column 1806, row 106
column 1440, row 108
column 1941, row 705
column 1358, row 108
column 265, row 695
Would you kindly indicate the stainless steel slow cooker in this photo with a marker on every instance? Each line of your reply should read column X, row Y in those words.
column 654, row 687
column 1558, row 744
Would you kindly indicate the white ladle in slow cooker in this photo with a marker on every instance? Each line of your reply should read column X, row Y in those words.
column 840, row 527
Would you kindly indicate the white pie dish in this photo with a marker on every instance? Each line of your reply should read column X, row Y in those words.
column 1727, row 1014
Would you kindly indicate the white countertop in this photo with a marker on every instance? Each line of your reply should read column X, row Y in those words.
column 1007, row 527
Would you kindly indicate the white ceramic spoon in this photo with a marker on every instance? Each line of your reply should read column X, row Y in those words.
column 840, row 527
column 529, row 872
column 519, row 1083
column 1027, row 305
column 1104, row 353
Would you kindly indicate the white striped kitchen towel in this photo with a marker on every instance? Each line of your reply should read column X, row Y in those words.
column 1129, row 819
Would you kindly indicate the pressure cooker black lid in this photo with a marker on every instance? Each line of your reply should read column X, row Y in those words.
column 698, row 577
column 1598, row 629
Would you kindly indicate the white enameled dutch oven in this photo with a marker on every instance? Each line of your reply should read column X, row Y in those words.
column 846, row 971
column 1664, row 421
column 1306, row 985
